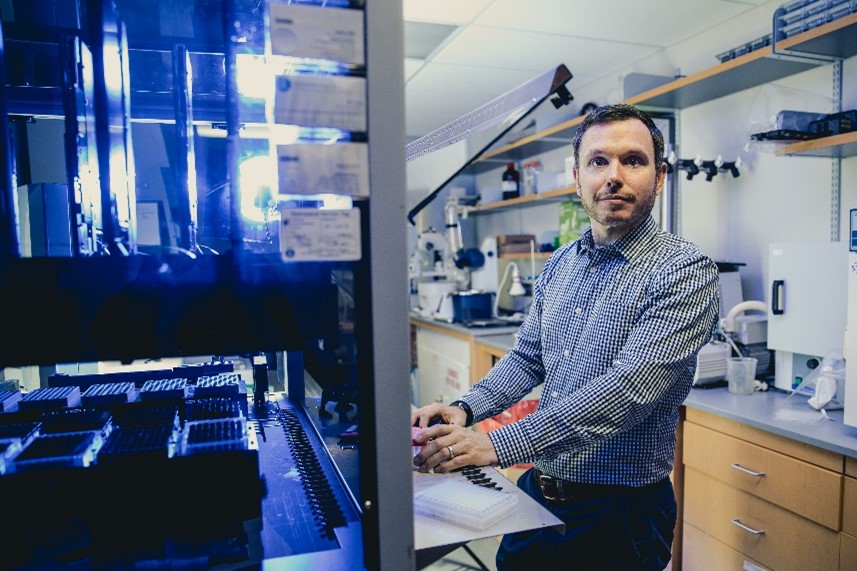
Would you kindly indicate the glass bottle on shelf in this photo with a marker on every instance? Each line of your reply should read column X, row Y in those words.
column 511, row 182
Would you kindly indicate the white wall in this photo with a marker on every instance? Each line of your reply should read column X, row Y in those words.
column 775, row 199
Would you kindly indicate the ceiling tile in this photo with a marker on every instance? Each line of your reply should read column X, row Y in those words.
column 412, row 66
column 422, row 38
column 446, row 11
column 653, row 22
column 486, row 81
column 494, row 47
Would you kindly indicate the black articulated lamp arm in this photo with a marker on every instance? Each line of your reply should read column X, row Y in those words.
column 501, row 114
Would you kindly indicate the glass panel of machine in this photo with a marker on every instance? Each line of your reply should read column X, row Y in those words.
column 185, row 272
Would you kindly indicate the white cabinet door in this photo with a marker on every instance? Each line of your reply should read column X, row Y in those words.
column 443, row 364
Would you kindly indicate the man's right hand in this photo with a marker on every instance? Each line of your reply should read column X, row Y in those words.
column 447, row 414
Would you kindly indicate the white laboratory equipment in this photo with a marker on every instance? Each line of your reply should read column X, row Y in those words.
column 850, row 349
column 805, row 316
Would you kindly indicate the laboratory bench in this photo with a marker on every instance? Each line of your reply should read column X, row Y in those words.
column 450, row 357
column 762, row 481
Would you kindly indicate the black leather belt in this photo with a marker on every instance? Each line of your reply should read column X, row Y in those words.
column 558, row 490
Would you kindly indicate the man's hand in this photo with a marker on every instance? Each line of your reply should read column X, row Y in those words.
column 436, row 411
column 447, row 447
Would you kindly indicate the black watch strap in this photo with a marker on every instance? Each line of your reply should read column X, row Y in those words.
column 467, row 410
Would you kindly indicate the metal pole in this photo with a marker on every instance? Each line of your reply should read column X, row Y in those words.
column 9, row 245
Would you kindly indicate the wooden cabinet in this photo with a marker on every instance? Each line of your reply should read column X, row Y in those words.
column 797, row 485
column 451, row 360
column 848, row 537
column 484, row 357
column 443, row 358
column 753, row 496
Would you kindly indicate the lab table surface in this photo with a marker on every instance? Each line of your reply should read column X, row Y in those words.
column 773, row 411
column 477, row 332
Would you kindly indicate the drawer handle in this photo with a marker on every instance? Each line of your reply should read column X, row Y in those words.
column 741, row 468
column 747, row 528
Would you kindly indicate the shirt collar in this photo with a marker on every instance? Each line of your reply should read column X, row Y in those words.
column 626, row 246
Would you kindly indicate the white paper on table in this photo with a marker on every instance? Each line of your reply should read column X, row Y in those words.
column 310, row 234
column 341, row 168
column 321, row 101
column 317, row 32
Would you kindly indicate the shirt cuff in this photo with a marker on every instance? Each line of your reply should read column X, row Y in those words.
column 512, row 445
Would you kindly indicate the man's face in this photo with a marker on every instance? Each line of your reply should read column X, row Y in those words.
column 616, row 177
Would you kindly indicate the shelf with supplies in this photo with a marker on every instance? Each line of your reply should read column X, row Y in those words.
column 529, row 200
column 835, row 147
column 834, row 39
column 554, row 137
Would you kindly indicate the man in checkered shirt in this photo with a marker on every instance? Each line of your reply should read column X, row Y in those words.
column 617, row 319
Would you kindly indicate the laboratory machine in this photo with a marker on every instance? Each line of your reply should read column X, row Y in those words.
column 201, row 273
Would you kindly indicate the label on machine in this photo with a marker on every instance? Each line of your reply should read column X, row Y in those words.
column 309, row 234
column 317, row 32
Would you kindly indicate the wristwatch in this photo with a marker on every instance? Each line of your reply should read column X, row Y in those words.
column 467, row 410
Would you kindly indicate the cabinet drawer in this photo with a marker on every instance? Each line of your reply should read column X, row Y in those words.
column 849, row 506
column 701, row 552
column 786, row 541
column 851, row 466
column 798, row 486
column 812, row 454
column 847, row 552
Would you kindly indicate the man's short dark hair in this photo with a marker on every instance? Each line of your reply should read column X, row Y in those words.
column 620, row 112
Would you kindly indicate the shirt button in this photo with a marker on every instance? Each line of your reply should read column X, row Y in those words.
column 593, row 269
column 566, row 353
column 554, row 394
column 577, row 311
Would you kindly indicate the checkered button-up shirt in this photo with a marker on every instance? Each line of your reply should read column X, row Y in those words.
column 613, row 335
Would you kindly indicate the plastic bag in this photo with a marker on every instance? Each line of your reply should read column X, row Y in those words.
column 827, row 382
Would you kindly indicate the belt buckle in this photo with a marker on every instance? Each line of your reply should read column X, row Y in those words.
column 544, row 481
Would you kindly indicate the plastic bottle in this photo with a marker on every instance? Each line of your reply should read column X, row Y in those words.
column 511, row 182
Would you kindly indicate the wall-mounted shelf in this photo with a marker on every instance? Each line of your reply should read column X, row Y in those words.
column 835, row 147
column 525, row 256
column 546, row 140
column 529, row 200
column 750, row 70
column 836, row 39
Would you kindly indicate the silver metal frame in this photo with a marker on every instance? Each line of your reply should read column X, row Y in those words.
column 391, row 498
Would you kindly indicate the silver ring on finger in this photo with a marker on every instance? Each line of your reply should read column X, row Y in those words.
column 451, row 453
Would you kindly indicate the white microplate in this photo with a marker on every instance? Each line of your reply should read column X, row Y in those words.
column 462, row 503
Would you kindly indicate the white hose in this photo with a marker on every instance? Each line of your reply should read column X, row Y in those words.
column 729, row 320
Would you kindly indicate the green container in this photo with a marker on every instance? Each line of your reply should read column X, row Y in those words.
column 573, row 221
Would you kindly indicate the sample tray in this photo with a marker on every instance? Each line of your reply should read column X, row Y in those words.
column 212, row 409
column 222, row 385
column 61, row 450
column 76, row 420
column 8, row 399
column 164, row 389
column 124, row 442
column 462, row 503
column 214, row 436
column 135, row 415
column 108, row 393
column 50, row 398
